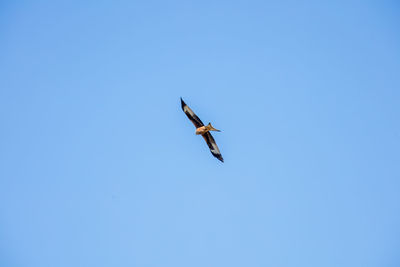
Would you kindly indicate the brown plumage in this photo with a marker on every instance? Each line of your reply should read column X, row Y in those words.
column 203, row 130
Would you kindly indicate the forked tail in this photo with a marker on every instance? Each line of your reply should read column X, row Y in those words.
column 211, row 128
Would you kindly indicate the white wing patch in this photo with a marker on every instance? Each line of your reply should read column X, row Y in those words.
column 188, row 110
column 215, row 148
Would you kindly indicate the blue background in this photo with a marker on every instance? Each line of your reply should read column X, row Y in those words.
column 99, row 166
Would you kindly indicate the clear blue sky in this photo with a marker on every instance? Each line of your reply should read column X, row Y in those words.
column 100, row 167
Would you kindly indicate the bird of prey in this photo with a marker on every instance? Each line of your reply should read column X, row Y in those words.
column 203, row 130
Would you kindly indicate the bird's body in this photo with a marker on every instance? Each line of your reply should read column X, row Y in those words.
column 203, row 130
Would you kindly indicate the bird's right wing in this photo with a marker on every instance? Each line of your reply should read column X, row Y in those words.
column 190, row 114
column 213, row 146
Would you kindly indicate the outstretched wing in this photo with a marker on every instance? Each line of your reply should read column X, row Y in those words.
column 190, row 114
column 213, row 146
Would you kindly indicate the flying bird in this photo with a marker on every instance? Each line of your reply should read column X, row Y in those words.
column 203, row 130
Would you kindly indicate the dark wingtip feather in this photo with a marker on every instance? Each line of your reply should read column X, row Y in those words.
column 218, row 156
column 182, row 103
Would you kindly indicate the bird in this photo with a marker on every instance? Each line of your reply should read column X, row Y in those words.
column 203, row 130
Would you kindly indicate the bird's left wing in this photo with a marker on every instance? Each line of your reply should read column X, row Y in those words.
column 213, row 146
column 190, row 114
